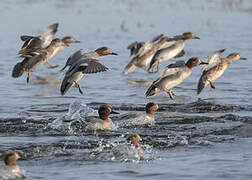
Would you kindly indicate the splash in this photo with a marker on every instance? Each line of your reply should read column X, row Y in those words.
column 76, row 112
column 6, row 174
column 122, row 152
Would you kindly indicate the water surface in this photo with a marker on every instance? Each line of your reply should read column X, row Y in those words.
column 195, row 137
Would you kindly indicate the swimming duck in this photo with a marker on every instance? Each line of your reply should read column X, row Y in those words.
column 33, row 43
column 144, row 55
column 131, row 150
column 124, row 151
column 41, row 56
column 10, row 159
column 130, row 119
column 173, row 48
column 82, row 64
column 215, row 68
column 102, row 122
column 172, row 76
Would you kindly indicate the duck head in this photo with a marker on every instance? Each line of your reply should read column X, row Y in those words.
column 194, row 61
column 189, row 35
column 10, row 158
column 133, row 138
column 103, row 51
column 68, row 40
column 235, row 57
column 151, row 107
column 104, row 112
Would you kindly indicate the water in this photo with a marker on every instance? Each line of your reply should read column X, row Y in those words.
column 193, row 138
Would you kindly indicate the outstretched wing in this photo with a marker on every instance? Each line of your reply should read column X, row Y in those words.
column 213, row 60
column 145, row 47
column 173, row 68
column 140, row 48
column 48, row 35
column 26, row 37
column 87, row 66
column 31, row 44
column 73, row 58
column 156, row 38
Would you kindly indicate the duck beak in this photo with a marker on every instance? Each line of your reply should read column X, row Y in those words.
column 243, row 58
column 76, row 41
column 196, row 37
column 113, row 53
column 114, row 112
column 203, row 63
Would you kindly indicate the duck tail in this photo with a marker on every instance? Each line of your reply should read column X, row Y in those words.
column 65, row 86
column 129, row 68
column 151, row 91
column 20, row 67
column 201, row 85
column 18, row 70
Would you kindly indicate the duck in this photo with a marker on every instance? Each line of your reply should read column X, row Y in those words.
column 131, row 119
column 130, row 150
column 124, row 151
column 10, row 158
column 41, row 56
column 144, row 55
column 101, row 122
column 81, row 64
column 216, row 68
column 173, row 75
column 173, row 48
column 95, row 55
column 33, row 43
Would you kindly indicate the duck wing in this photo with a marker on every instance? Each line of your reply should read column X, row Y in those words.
column 31, row 44
column 26, row 37
column 86, row 66
column 171, row 69
column 156, row 38
column 213, row 60
column 73, row 58
column 35, row 58
column 48, row 35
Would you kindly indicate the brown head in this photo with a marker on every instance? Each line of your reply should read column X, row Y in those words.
column 151, row 107
column 68, row 40
column 194, row 61
column 133, row 138
column 189, row 35
column 103, row 51
column 10, row 158
column 235, row 57
column 104, row 112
